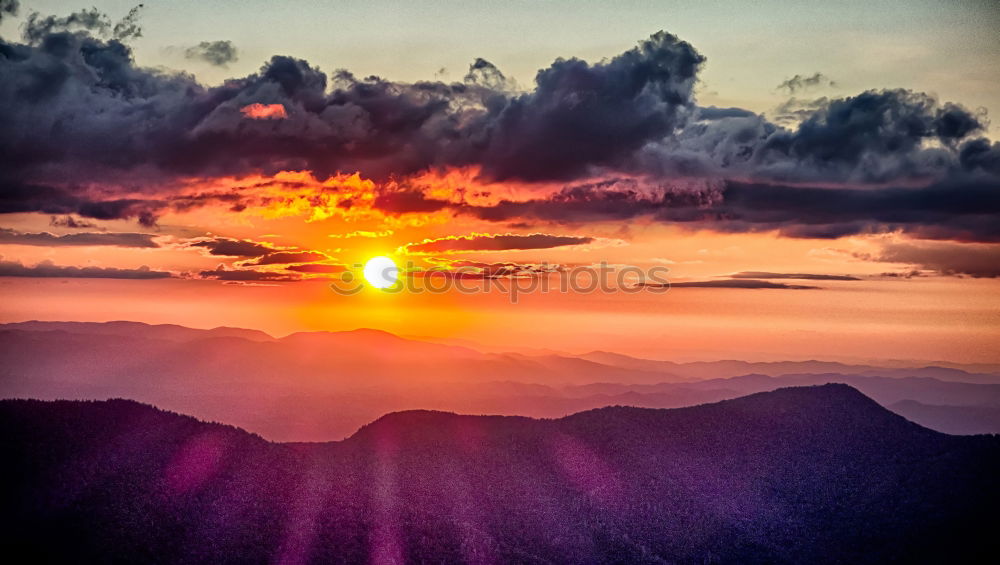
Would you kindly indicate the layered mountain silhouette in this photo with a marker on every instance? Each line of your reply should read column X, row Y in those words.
column 318, row 386
column 817, row 474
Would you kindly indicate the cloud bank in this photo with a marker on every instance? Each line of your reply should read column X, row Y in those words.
column 14, row 237
column 48, row 269
column 978, row 261
column 89, row 132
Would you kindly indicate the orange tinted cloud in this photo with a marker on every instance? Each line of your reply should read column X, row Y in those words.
column 259, row 111
column 495, row 242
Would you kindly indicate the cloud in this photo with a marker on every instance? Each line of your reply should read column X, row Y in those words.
column 229, row 247
column 9, row 8
column 880, row 160
column 317, row 268
column 38, row 27
column 713, row 113
column 485, row 270
column 70, row 222
column 800, row 276
column 734, row 283
column 795, row 110
column 256, row 253
column 579, row 117
column 218, row 53
column 963, row 211
column 14, row 237
column 979, row 261
column 612, row 199
column 221, row 273
column 16, row 196
column 408, row 201
column 494, row 242
column 49, row 269
column 284, row 257
column 979, row 155
column 584, row 115
column 800, row 82
column 904, row 274
column 875, row 136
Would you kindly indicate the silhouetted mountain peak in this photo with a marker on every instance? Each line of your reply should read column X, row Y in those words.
column 830, row 400
column 415, row 427
column 831, row 413
column 797, row 475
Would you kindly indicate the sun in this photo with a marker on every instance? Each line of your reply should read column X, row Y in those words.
column 381, row 272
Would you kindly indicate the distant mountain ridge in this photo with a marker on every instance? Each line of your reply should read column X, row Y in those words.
column 799, row 475
column 171, row 332
column 317, row 386
column 690, row 370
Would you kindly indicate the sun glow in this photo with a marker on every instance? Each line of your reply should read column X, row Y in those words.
column 381, row 272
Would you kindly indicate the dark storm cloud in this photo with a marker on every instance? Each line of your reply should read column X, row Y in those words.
column 798, row 276
column 582, row 115
column 734, row 283
column 9, row 236
column 48, row 269
column 496, row 242
column 16, row 196
column 964, row 211
column 979, row 261
column 158, row 124
column 218, row 53
column 979, row 155
column 874, row 136
column 88, row 132
column 613, row 199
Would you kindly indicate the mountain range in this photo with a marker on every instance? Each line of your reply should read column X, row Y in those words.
column 818, row 474
column 318, row 386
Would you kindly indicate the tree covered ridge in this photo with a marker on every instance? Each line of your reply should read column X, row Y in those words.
column 807, row 474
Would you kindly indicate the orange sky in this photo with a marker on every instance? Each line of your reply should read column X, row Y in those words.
column 852, row 220
column 927, row 317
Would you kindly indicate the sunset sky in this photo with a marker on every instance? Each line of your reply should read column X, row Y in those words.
column 830, row 195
